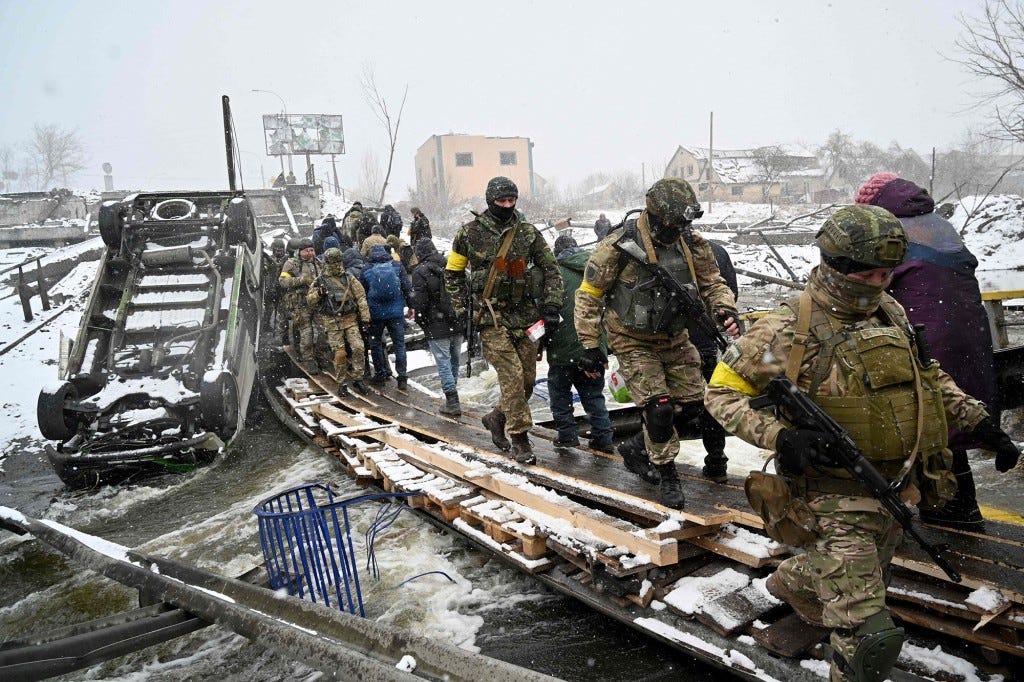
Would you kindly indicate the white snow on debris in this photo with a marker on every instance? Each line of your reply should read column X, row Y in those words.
column 407, row 664
column 986, row 598
column 742, row 540
column 105, row 547
column 936, row 661
column 819, row 668
column 691, row 594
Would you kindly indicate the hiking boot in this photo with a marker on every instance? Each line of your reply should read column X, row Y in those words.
column 602, row 447
column 671, row 488
column 494, row 421
column 342, row 391
column 956, row 514
column 360, row 387
column 715, row 468
column 310, row 366
column 522, row 452
column 451, row 404
column 567, row 442
column 379, row 379
column 403, row 383
column 809, row 610
column 634, row 456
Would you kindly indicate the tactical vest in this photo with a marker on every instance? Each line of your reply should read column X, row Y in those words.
column 297, row 294
column 644, row 306
column 887, row 389
column 339, row 299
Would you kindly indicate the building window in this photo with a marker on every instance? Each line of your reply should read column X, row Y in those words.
column 689, row 170
column 737, row 190
column 507, row 158
column 464, row 159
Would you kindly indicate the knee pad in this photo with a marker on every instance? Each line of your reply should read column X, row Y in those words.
column 878, row 648
column 658, row 414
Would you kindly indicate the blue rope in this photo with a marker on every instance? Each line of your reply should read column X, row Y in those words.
column 409, row 580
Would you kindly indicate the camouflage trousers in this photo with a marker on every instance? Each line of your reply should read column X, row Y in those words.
column 515, row 361
column 339, row 331
column 302, row 327
column 845, row 568
column 652, row 370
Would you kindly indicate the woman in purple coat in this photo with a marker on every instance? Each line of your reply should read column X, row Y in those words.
column 937, row 286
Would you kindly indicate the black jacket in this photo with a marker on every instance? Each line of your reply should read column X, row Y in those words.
column 419, row 228
column 434, row 313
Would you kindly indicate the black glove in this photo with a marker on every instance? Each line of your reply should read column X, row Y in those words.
column 364, row 329
column 593, row 361
column 722, row 315
column 995, row 439
column 802, row 448
column 552, row 317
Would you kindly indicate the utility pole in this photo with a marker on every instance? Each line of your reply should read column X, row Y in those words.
column 931, row 178
column 711, row 158
column 337, row 189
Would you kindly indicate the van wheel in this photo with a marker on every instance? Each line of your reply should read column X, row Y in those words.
column 110, row 223
column 218, row 403
column 240, row 227
column 56, row 422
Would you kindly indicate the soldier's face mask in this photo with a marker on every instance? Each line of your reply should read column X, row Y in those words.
column 503, row 208
column 665, row 233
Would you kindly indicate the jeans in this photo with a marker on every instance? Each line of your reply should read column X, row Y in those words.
column 447, row 357
column 396, row 329
column 560, row 382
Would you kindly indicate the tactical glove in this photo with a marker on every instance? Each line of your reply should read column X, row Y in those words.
column 995, row 439
column 802, row 448
column 593, row 361
column 722, row 315
column 552, row 316
column 364, row 329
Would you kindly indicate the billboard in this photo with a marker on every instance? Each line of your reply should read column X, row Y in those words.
column 303, row 134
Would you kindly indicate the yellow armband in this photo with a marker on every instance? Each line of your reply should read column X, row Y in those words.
column 588, row 288
column 724, row 375
column 456, row 262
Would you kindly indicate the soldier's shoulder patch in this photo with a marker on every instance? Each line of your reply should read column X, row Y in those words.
column 592, row 271
column 731, row 355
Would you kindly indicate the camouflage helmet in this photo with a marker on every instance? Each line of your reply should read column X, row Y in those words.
column 500, row 187
column 293, row 244
column 673, row 201
column 333, row 255
column 278, row 243
column 862, row 237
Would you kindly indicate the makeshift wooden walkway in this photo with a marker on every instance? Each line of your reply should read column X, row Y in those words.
column 583, row 524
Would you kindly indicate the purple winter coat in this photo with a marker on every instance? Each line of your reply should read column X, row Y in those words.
column 937, row 287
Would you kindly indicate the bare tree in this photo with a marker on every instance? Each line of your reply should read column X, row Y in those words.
column 54, row 154
column 771, row 162
column 370, row 187
column 383, row 112
column 8, row 168
column 443, row 206
column 992, row 47
column 838, row 154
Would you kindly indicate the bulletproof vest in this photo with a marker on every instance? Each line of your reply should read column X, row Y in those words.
column 339, row 299
column 298, row 293
column 875, row 362
column 643, row 305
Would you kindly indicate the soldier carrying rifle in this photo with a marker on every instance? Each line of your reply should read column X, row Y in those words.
column 848, row 347
column 339, row 302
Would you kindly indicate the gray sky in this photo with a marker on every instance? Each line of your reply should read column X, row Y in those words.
column 597, row 85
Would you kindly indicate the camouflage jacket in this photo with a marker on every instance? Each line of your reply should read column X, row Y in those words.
column 296, row 277
column 607, row 268
column 519, row 290
column 762, row 353
column 336, row 279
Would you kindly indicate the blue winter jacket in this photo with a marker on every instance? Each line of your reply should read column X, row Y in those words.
column 387, row 285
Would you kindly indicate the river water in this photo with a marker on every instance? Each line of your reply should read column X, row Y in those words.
column 206, row 519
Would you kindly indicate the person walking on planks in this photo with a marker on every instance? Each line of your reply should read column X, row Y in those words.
column 849, row 347
column 338, row 300
column 297, row 274
column 499, row 248
column 646, row 330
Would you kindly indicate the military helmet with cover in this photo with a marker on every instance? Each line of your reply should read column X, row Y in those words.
column 277, row 244
column 499, row 187
column 673, row 202
column 293, row 245
column 333, row 256
column 862, row 237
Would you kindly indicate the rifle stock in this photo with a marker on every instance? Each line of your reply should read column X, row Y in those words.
column 802, row 412
column 689, row 305
column 469, row 329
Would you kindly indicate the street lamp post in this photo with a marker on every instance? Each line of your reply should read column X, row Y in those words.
column 285, row 108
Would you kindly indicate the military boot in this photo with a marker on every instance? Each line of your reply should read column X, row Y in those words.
column 342, row 391
column 809, row 610
column 360, row 386
column 634, row 456
column 451, row 404
column 714, row 467
column 671, row 488
column 494, row 421
column 522, row 451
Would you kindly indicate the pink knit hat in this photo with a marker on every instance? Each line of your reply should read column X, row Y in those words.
column 873, row 186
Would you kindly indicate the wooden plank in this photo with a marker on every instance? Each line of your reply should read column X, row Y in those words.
column 734, row 611
column 990, row 637
column 711, row 545
column 613, row 530
column 789, row 636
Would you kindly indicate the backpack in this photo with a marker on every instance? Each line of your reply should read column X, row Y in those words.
column 364, row 226
column 383, row 285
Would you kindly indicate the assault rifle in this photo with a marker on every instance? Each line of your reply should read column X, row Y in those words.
column 687, row 303
column 803, row 413
column 469, row 329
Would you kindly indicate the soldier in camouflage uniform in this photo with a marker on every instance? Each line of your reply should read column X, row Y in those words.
column 848, row 345
column 519, row 295
column 646, row 332
column 339, row 302
column 273, row 310
column 297, row 274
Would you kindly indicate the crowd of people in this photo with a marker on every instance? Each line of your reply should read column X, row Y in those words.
column 888, row 338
